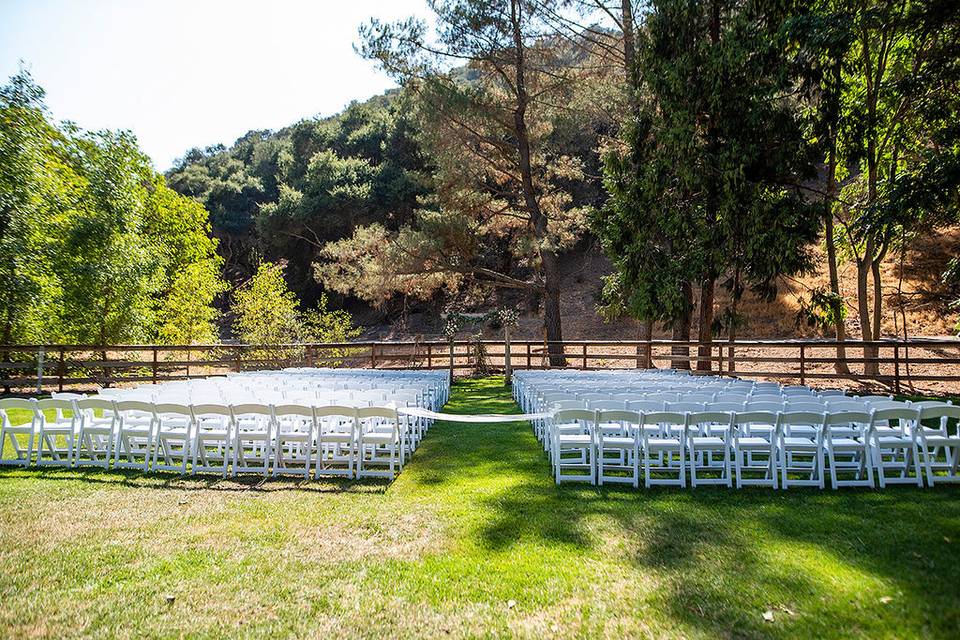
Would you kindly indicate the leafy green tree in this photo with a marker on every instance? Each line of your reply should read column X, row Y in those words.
column 706, row 186
column 93, row 240
column 31, row 179
column 501, row 198
column 266, row 312
column 187, row 314
column 899, row 136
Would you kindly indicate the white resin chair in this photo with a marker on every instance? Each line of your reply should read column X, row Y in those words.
column 799, row 441
column 252, row 445
column 845, row 434
column 296, row 429
column 134, row 440
column 212, row 436
column 172, row 437
column 572, row 445
column 668, row 440
column 618, row 434
column 708, row 439
column 754, row 454
column 378, row 442
column 335, row 443
column 56, row 434
column 934, row 440
column 896, row 448
column 15, row 434
column 97, row 436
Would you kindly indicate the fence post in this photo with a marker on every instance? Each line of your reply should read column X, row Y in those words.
column 896, row 369
column 236, row 363
column 452, row 347
column 61, row 370
column 154, row 369
column 803, row 356
column 731, row 358
column 40, row 370
column 507, row 360
column 584, row 357
column 528, row 355
column 429, row 355
column 373, row 355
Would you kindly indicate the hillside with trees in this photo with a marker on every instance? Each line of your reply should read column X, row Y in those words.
column 699, row 170
column 724, row 155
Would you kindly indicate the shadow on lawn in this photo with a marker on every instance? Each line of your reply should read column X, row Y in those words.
column 814, row 558
column 727, row 557
column 202, row 482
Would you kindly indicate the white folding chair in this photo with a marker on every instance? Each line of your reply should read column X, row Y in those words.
column 212, row 435
column 708, row 434
column 95, row 441
column 296, row 429
column 252, row 445
column 335, row 444
column 939, row 438
column 378, row 442
column 896, row 448
column 16, row 433
column 172, row 437
column 799, row 440
column 845, row 434
column 754, row 454
column 668, row 440
column 618, row 434
column 134, row 440
column 572, row 445
column 56, row 434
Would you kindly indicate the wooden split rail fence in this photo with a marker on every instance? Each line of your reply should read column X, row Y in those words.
column 916, row 365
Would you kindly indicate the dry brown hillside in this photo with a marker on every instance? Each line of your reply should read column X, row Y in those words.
column 923, row 294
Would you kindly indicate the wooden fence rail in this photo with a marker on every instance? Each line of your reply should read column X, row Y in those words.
column 917, row 365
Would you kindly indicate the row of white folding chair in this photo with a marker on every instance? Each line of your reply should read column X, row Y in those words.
column 802, row 442
column 133, row 434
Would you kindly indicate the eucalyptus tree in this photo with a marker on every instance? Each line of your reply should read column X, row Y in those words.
column 898, row 137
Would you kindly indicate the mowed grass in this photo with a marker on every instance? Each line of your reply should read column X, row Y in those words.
column 472, row 539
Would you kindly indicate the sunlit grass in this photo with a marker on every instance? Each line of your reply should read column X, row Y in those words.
column 472, row 539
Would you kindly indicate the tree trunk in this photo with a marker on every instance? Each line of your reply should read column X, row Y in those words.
column 863, row 306
column 630, row 55
column 681, row 331
column 551, row 310
column 877, row 310
column 548, row 258
column 705, row 336
column 644, row 355
column 837, row 304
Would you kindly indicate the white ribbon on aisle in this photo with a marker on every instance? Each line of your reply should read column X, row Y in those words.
column 483, row 418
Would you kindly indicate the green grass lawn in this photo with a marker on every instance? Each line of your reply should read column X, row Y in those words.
column 472, row 539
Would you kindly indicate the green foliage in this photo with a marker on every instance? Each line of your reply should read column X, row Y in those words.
column 94, row 247
column 705, row 183
column 821, row 310
column 285, row 194
column 187, row 315
column 266, row 312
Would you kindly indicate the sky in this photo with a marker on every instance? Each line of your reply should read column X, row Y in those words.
column 182, row 73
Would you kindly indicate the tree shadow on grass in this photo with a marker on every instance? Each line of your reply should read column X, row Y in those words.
column 199, row 482
column 817, row 561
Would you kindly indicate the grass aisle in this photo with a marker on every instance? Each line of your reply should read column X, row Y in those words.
column 473, row 539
